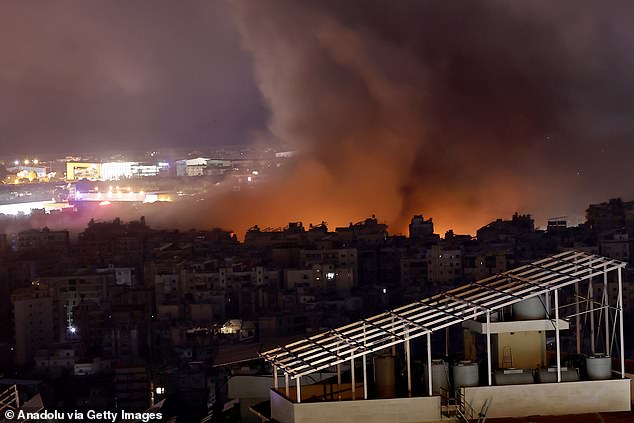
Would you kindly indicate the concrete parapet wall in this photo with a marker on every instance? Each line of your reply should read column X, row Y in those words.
column 397, row 410
column 551, row 398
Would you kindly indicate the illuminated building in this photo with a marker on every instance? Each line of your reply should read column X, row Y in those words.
column 191, row 167
column 118, row 196
column 80, row 170
column 15, row 209
column 112, row 171
column 40, row 171
column 143, row 170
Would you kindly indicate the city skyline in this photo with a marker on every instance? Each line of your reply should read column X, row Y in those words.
column 316, row 210
column 465, row 111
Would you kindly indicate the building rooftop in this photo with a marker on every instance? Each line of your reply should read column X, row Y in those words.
column 431, row 314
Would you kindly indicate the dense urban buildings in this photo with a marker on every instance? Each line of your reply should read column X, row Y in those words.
column 142, row 314
column 311, row 211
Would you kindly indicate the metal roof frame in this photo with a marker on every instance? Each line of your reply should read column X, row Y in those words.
column 434, row 313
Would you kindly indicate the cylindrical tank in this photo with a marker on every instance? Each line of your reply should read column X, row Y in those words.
column 513, row 377
column 439, row 376
column 385, row 376
column 465, row 373
column 599, row 367
column 549, row 375
column 531, row 309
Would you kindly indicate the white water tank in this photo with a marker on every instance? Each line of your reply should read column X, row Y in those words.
column 385, row 376
column 599, row 367
column 530, row 309
column 439, row 376
column 465, row 373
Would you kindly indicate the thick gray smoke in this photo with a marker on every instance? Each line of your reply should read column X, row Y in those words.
column 461, row 110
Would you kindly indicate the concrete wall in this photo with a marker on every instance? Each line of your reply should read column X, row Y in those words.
column 526, row 350
column 397, row 410
column 631, row 376
column 246, row 386
column 552, row 398
column 281, row 408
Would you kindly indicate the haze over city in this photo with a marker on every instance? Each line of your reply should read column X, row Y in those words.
column 270, row 210
column 394, row 110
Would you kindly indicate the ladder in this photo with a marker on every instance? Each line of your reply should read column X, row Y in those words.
column 507, row 357
column 9, row 399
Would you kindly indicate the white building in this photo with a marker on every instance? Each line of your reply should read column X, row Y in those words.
column 112, row 171
column 191, row 167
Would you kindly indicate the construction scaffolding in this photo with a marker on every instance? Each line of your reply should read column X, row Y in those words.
column 467, row 302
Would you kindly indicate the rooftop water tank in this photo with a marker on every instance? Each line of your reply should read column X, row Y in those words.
column 549, row 375
column 465, row 373
column 513, row 377
column 530, row 309
column 385, row 376
column 599, row 367
column 439, row 376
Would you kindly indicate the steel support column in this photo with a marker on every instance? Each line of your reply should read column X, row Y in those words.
column 408, row 364
column 557, row 335
column 606, row 310
column 489, row 348
column 352, row 376
column 577, row 319
column 429, row 383
column 621, row 324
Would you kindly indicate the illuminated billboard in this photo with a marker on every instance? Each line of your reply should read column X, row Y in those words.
column 78, row 170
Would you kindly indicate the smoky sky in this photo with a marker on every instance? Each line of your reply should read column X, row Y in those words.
column 461, row 110
column 106, row 76
column 464, row 111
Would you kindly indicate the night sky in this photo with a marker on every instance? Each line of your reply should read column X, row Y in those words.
column 464, row 111
column 110, row 75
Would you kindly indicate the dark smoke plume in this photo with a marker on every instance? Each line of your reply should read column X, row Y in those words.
column 464, row 111
column 461, row 110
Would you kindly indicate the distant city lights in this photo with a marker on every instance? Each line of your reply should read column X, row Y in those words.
column 23, row 208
